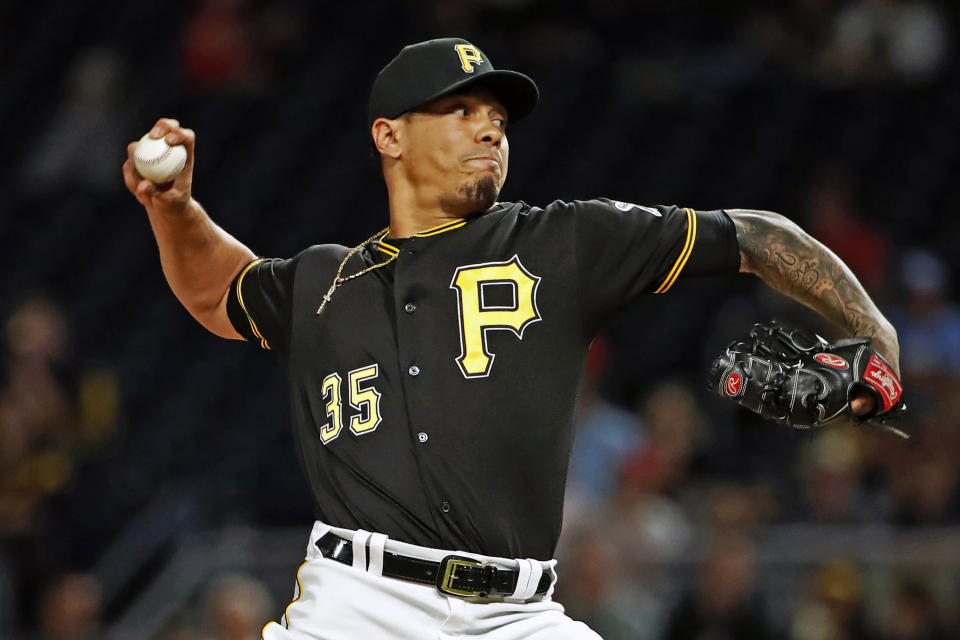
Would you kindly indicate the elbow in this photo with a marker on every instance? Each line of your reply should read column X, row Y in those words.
column 212, row 316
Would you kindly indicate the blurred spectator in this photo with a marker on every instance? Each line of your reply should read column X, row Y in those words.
column 916, row 614
column 928, row 326
column 83, row 145
column 595, row 590
column 676, row 430
column 649, row 525
column 219, row 51
column 604, row 436
column 924, row 485
column 71, row 609
column 235, row 607
column 833, row 609
column 647, row 518
column 37, row 413
column 281, row 29
column 51, row 411
column 725, row 605
column 830, row 472
column 50, row 417
column 793, row 34
column 834, row 222
column 735, row 510
column 876, row 39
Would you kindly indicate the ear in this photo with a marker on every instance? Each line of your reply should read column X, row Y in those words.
column 386, row 136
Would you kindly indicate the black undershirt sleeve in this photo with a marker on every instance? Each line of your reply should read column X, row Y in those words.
column 716, row 249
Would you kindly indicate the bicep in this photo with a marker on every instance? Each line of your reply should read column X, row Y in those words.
column 217, row 320
column 219, row 323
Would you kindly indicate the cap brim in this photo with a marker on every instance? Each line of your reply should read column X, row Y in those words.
column 517, row 92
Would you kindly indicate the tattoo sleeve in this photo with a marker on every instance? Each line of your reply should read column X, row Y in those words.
column 794, row 263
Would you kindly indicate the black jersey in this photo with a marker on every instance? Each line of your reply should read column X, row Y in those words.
column 433, row 397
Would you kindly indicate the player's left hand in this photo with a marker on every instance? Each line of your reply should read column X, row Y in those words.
column 797, row 378
column 862, row 403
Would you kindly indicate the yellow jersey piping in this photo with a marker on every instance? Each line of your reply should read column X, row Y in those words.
column 253, row 325
column 386, row 248
column 684, row 253
column 446, row 226
column 286, row 612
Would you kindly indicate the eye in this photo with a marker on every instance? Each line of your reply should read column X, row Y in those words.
column 460, row 111
column 501, row 123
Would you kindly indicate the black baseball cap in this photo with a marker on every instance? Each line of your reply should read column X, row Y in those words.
column 427, row 70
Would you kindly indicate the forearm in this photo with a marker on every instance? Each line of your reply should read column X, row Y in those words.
column 199, row 259
column 794, row 263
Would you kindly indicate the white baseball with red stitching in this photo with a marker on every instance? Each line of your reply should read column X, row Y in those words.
column 157, row 161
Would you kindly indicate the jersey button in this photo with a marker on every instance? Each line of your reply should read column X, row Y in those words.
column 422, row 437
column 445, row 506
column 409, row 307
column 414, row 370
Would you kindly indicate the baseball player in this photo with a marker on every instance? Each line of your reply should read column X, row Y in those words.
column 433, row 367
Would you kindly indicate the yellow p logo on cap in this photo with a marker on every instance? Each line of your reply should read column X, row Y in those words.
column 468, row 55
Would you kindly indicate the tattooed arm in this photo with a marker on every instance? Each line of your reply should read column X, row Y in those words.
column 792, row 262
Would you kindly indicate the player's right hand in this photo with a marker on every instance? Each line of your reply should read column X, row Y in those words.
column 174, row 196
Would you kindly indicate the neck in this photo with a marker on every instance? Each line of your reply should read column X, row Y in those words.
column 410, row 224
column 412, row 212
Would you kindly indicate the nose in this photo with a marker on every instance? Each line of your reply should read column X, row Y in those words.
column 489, row 133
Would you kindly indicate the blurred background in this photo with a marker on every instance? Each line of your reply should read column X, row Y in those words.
column 148, row 482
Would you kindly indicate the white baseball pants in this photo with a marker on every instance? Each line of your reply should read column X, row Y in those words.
column 334, row 601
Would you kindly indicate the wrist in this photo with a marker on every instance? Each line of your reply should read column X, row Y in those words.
column 887, row 345
column 176, row 210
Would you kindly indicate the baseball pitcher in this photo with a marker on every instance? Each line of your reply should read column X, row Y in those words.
column 433, row 367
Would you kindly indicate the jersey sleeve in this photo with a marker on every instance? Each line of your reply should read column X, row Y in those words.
column 624, row 250
column 261, row 302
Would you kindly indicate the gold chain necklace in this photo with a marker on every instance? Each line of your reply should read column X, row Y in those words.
column 338, row 280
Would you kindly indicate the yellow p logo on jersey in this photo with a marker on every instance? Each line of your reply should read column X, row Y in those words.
column 468, row 55
column 477, row 317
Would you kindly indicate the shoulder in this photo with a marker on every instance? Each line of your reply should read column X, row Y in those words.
column 317, row 256
column 602, row 213
column 313, row 262
column 323, row 252
column 520, row 211
column 592, row 206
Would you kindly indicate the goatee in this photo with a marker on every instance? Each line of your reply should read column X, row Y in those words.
column 481, row 193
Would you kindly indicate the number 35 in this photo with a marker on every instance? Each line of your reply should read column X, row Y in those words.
column 365, row 400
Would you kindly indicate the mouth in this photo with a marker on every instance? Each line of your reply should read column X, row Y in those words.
column 485, row 160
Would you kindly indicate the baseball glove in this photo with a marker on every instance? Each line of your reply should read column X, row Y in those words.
column 798, row 379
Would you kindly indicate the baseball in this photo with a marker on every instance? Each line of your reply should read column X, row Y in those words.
column 157, row 161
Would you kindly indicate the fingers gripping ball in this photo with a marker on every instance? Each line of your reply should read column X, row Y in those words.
column 157, row 161
column 796, row 378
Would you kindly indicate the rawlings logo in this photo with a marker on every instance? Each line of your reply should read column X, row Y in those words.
column 734, row 380
column 831, row 360
column 879, row 376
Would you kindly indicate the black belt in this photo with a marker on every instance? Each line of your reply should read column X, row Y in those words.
column 454, row 575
